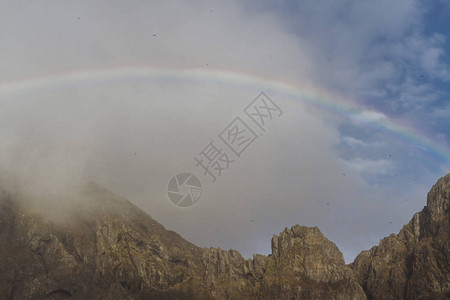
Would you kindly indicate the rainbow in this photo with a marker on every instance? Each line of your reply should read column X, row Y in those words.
column 309, row 94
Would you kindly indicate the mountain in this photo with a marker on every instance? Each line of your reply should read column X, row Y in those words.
column 104, row 247
column 414, row 264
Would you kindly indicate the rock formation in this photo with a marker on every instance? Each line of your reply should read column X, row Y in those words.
column 107, row 248
column 414, row 264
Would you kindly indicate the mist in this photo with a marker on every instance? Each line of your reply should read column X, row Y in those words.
column 66, row 121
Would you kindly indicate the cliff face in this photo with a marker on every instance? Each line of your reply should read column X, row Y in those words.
column 107, row 248
column 416, row 262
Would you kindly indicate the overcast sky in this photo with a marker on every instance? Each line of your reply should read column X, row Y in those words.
column 127, row 93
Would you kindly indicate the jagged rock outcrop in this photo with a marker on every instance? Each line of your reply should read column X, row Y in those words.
column 305, row 265
column 414, row 264
column 107, row 248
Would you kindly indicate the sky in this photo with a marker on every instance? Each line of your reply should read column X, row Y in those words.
column 129, row 93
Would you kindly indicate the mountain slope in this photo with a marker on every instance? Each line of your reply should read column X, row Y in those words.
column 416, row 262
column 104, row 247
column 107, row 249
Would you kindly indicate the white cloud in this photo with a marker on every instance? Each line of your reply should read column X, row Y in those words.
column 442, row 112
column 371, row 167
column 357, row 143
column 351, row 141
column 412, row 95
column 433, row 63
column 367, row 117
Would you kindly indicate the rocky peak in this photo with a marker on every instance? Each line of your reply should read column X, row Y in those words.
column 416, row 261
column 309, row 252
column 299, row 238
column 438, row 200
column 436, row 214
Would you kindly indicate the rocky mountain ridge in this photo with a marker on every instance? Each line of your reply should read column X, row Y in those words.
column 414, row 264
column 113, row 250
